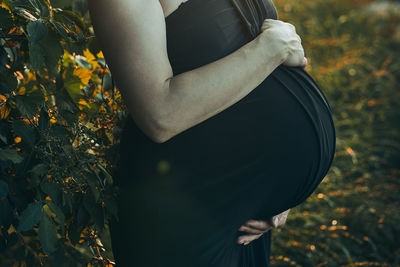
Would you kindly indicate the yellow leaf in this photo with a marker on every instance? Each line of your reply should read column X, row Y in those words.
column 4, row 111
column 100, row 54
column 83, row 102
column 21, row 90
column 91, row 58
column 83, row 74
column 350, row 151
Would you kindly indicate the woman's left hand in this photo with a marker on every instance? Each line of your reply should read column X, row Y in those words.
column 256, row 228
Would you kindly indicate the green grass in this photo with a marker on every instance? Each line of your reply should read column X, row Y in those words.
column 352, row 219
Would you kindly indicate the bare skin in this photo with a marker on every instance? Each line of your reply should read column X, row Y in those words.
column 164, row 105
column 256, row 228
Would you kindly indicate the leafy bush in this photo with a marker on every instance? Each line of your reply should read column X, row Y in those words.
column 59, row 125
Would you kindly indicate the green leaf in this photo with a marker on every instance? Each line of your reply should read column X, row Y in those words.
column 39, row 170
column 45, row 49
column 57, row 211
column 37, row 30
column 37, row 173
column 8, row 82
column 4, row 130
column 35, row 4
column 43, row 120
column 61, row 3
column 47, row 234
column 52, row 190
column 61, row 29
column 105, row 236
column 92, row 182
column 10, row 154
column 41, row 7
column 73, row 86
column 97, row 214
column 59, row 214
column 59, row 131
column 82, row 217
column 6, row 213
column 28, row 104
column 30, row 216
column 24, row 131
column 4, row 59
column 54, row 51
column 3, row 189
column 83, row 62
column 24, row 107
column 36, row 56
column 6, row 21
column 72, row 17
column 107, row 82
column 108, row 176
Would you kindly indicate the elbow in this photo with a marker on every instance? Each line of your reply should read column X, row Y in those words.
column 159, row 137
column 162, row 126
column 155, row 121
column 159, row 130
column 153, row 129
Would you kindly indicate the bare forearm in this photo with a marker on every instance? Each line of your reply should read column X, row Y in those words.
column 196, row 95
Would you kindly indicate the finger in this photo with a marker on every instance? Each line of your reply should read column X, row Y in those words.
column 284, row 215
column 274, row 221
column 246, row 239
column 267, row 23
column 291, row 26
column 280, row 219
column 251, row 230
column 262, row 225
column 305, row 62
column 298, row 38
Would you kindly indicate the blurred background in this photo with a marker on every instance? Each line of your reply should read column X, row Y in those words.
column 61, row 117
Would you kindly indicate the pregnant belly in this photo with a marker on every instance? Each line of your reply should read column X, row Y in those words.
column 284, row 125
column 257, row 158
column 280, row 138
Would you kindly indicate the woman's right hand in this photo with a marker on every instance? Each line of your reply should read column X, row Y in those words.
column 283, row 37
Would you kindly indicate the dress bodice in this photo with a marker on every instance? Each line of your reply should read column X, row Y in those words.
column 264, row 154
column 203, row 31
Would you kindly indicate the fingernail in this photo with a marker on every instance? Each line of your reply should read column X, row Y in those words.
column 276, row 221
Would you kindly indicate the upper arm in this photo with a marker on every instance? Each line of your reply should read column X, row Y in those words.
column 132, row 36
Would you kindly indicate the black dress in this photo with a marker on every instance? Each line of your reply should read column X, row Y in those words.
column 181, row 202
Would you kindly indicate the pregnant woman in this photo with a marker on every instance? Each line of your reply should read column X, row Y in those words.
column 225, row 126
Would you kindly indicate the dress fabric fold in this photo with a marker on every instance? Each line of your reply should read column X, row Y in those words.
column 181, row 202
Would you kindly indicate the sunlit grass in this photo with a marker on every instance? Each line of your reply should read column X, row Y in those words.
column 352, row 219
